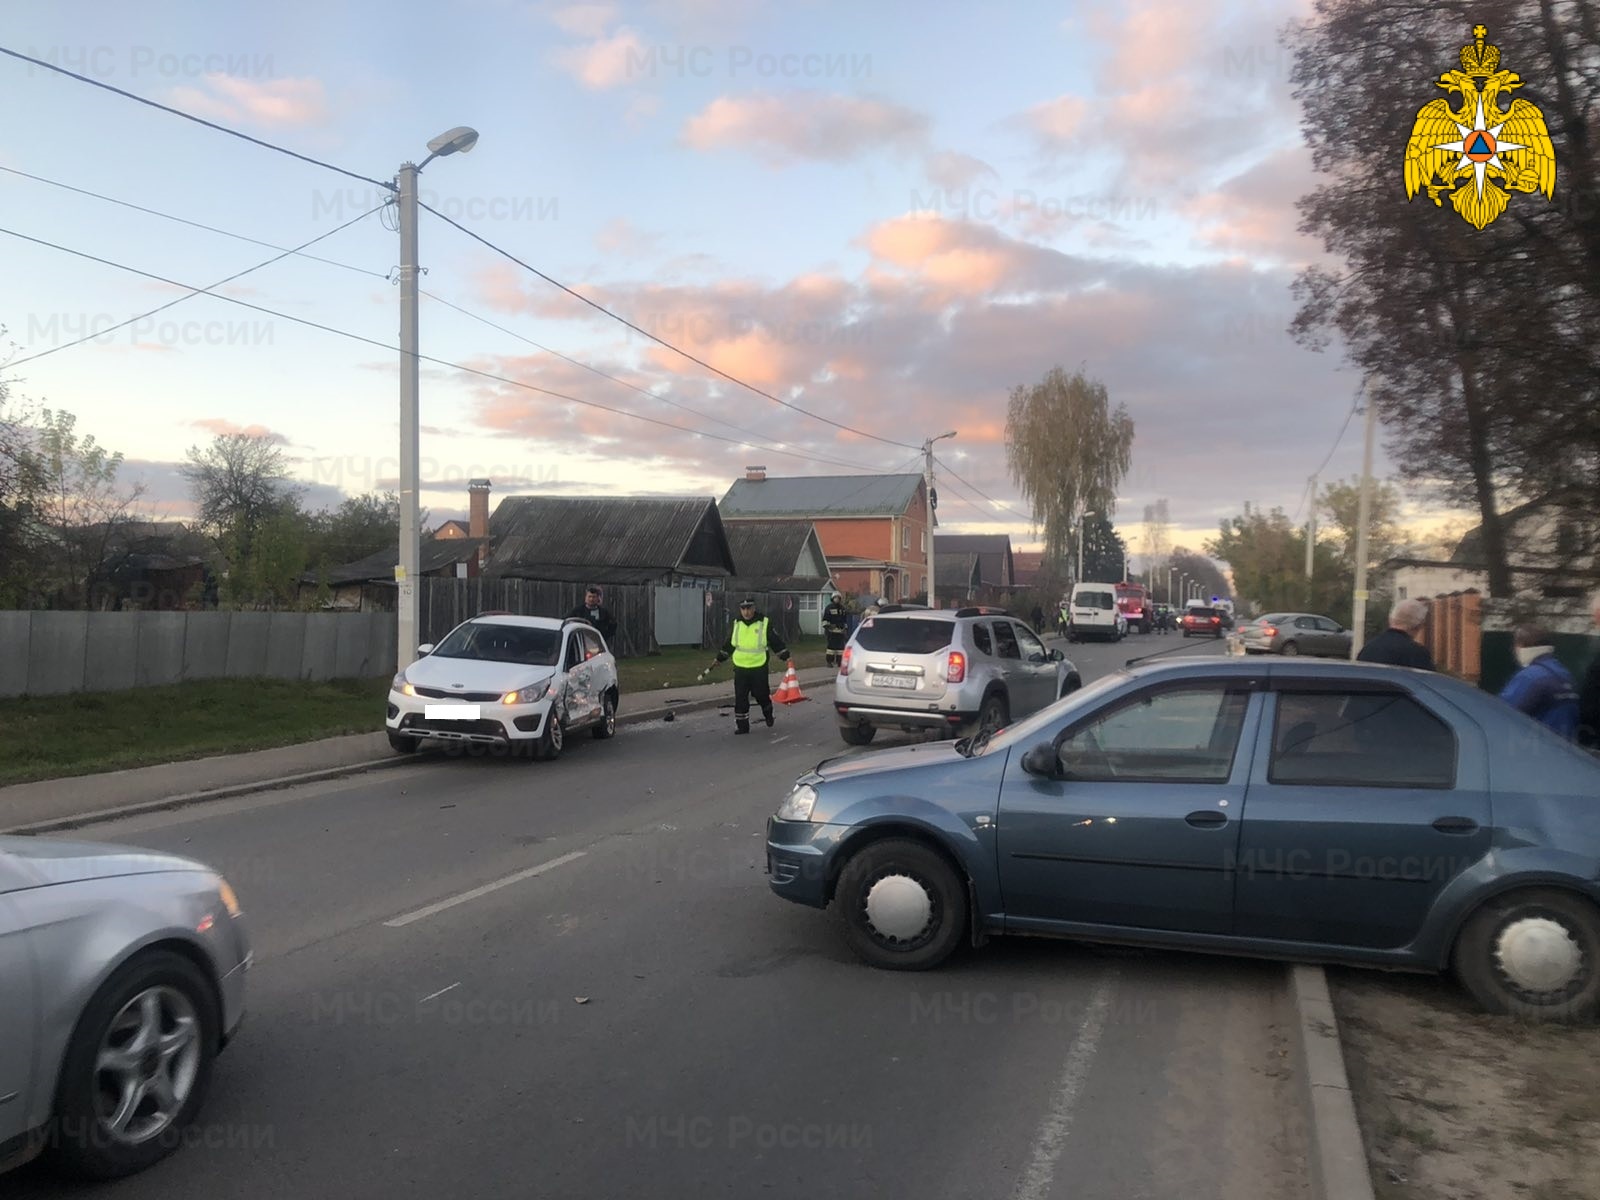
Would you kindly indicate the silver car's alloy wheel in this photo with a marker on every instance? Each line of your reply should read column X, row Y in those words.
column 1539, row 957
column 147, row 1064
column 899, row 909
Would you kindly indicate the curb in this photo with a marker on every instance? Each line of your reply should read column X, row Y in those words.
column 1338, row 1158
column 232, row 790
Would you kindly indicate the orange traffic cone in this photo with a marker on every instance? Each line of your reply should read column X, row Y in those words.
column 789, row 690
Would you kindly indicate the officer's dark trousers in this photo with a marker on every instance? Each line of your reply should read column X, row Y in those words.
column 750, row 683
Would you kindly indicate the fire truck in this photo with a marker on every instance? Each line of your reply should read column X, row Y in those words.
column 1133, row 600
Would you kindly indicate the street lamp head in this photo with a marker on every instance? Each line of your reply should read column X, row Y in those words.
column 461, row 138
column 942, row 436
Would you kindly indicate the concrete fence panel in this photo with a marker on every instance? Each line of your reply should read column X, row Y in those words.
column 350, row 648
column 322, row 644
column 286, row 644
column 205, row 644
column 383, row 634
column 14, row 642
column 163, row 643
column 247, row 644
column 113, row 654
column 58, row 646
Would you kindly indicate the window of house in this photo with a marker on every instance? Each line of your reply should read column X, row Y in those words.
column 1360, row 739
column 905, row 537
column 810, row 602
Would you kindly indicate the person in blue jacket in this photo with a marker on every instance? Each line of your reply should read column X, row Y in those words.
column 1544, row 688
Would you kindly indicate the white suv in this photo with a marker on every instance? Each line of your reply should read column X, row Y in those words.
column 505, row 681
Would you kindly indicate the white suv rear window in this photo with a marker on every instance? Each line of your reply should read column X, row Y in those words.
column 909, row 635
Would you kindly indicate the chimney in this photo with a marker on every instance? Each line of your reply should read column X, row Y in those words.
column 478, row 515
column 755, row 474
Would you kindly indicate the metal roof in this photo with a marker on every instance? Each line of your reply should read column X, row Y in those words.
column 993, row 551
column 437, row 553
column 769, row 548
column 614, row 539
column 822, row 496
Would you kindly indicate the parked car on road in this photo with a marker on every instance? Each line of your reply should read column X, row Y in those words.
column 508, row 682
column 122, row 975
column 1296, row 633
column 1291, row 809
column 962, row 670
column 1201, row 620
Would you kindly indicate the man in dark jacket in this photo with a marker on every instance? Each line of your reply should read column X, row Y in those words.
column 1397, row 645
column 1543, row 688
column 597, row 614
column 836, row 626
column 749, row 639
column 1589, row 694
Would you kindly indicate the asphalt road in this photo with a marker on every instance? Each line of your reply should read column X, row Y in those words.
column 482, row 977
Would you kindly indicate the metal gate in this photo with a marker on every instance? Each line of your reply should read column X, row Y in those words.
column 680, row 616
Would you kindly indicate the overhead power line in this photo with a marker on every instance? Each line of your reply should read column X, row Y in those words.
column 663, row 342
column 344, row 333
column 178, row 112
column 981, row 492
column 466, row 312
column 208, row 291
column 1332, row 450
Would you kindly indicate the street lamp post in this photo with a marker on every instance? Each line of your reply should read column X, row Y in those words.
column 410, row 558
column 1083, row 529
column 927, row 477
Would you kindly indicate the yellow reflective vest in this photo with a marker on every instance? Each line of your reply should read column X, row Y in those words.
column 749, row 643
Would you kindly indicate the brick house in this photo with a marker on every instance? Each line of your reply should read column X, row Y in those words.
column 874, row 529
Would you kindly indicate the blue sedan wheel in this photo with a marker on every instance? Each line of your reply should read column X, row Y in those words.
column 1533, row 954
column 903, row 907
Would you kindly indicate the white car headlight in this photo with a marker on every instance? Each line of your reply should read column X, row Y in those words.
column 399, row 684
column 798, row 804
column 531, row 694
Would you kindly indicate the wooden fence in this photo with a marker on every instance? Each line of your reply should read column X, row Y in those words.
column 445, row 603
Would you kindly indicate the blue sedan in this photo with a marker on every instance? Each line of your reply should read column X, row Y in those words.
column 1321, row 811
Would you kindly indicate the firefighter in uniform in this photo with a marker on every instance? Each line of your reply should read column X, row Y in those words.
column 836, row 624
column 749, row 640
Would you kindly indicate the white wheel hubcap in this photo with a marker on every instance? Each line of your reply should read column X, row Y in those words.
column 898, row 907
column 1538, row 954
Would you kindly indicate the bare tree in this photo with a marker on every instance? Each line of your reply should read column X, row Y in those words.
column 1067, row 449
column 84, row 507
column 238, row 483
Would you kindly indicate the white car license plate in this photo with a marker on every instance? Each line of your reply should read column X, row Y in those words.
column 451, row 712
column 905, row 682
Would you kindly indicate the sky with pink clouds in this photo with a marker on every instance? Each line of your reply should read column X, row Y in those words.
column 887, row 215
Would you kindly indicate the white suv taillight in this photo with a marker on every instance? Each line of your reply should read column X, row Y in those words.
column 955, row 668
column 844, row 662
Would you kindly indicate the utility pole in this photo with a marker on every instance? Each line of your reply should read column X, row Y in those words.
column 927, row 483
column 406, row 572
column 1311, row 528
column 1358, row 619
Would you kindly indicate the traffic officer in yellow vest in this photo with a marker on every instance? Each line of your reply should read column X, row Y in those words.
column 749, row 640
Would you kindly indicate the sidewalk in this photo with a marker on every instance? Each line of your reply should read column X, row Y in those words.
column 58, row 804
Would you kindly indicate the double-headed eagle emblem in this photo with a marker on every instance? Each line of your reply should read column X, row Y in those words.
column 1480, row 153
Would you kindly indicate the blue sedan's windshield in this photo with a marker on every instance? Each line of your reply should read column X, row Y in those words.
column 1024, row 731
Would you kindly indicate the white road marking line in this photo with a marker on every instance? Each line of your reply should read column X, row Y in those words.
column 440, row 992
column 1052, row 1136
column 452, row 901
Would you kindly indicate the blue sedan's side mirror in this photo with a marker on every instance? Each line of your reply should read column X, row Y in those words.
column 1041, row 760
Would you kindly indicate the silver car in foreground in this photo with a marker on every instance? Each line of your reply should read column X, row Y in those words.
column 121, row 977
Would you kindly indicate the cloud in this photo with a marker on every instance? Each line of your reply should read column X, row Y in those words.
column 585, row 20
column 1254, row 212
column 1057, row 121
column 608, row 62
column 954, row 171
column 621, row 238
column 810, row 125
column 223, row 427
column 279, row 103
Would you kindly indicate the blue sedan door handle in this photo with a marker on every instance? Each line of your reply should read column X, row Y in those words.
column 1456, row 825
column 1207, row 818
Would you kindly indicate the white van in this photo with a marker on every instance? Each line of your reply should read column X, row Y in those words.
column 1094, row 613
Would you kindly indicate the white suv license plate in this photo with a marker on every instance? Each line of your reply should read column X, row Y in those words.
column 904, row 682
column 451, row 712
